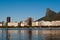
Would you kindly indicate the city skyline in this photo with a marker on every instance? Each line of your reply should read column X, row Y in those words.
column 19, row 10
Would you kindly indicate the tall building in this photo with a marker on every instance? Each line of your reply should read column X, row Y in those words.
column 7, row 32
column 8, row 19
column 29, row 21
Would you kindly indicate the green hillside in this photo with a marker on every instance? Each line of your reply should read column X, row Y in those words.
column 50, row 16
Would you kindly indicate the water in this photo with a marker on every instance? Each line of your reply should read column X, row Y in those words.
column 30, row 34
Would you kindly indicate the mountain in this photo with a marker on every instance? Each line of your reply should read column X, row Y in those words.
column 57, row 17
column 50, row 16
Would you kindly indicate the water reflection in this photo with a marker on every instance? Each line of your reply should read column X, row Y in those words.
column 30, row 34
column 34, row 34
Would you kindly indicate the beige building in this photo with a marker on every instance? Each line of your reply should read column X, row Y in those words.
column 13, row 24
column 33, row 23
column 0, row 23
column 55, row 23
column 23, row 24
column 46, row 23
column 36, row 23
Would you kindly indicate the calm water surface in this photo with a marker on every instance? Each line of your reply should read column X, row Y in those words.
column 27, row 34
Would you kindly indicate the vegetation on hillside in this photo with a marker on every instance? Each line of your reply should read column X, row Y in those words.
column 50, row 16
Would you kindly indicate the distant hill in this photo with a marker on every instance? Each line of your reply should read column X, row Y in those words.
column 50, row 16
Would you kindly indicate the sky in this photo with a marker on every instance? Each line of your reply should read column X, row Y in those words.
column 19, row 10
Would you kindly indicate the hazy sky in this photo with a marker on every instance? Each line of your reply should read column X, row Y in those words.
column 21, row 9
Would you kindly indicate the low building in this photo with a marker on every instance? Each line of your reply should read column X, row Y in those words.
column 0, row 23
column 4, row 24
column 46, row 23
column 23, row 24
column 56, row 23
column 33, row 23
column 15, row 24
column 37, row 23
